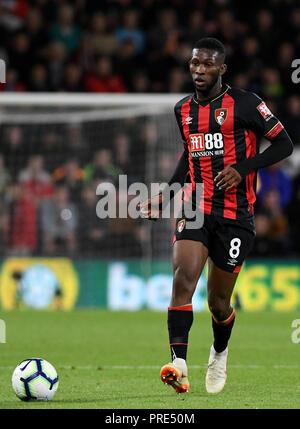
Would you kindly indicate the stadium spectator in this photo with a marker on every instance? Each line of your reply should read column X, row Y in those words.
column 101, row 167
column 227, row 29
column 38, row 79
column 286, row 55
column 59, row 220
column 53, row 149
column 126, row 235
column 35, row 180
column 22, row 236
column 98, row 38
column 263, row 245
column 20, row 55
column 35, row 28
column 126, row 61
column 4, row 227
column 101, row 39
column 291, row 118
column 177, row 80
column 165, row 35
column 71, row 176
column 92, row 230
column 196, row 28
column 271, row 86
column 163, row 42
column 272, row 229
column 123, row 157
column 14, row 149
column 250, row 62
column 13, row 13
column 5, row 178
column 13, row 83
column 130, row 30
column 72, row 80
column 275, row 177
column 64, row 29
column 265, row 33
column 76, row 145
column 56, row 62
column 294, row 26
column 140, row 82
column 241, row 80
column 104, row 79
column 84, row 56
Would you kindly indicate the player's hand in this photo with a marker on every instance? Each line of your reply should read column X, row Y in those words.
column 150, row 209
column 228, row 178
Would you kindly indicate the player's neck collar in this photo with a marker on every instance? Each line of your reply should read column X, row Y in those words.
column 224, row 89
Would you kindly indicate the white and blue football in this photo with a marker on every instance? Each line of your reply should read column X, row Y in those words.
column 35, row 379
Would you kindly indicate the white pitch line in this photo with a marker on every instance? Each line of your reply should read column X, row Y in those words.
column 149, row 367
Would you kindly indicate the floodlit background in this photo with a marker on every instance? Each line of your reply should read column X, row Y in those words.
column 112, row 57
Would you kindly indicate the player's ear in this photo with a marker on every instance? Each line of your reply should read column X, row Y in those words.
column 223, row 69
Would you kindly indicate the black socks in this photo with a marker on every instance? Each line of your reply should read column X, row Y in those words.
column 180, row 320
column 222, row 332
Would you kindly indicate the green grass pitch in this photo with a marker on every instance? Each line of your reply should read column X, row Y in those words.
column 111, row 360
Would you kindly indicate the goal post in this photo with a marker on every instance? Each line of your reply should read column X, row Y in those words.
column 57, row 148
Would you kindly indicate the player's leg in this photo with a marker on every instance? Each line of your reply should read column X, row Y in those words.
column 220, row 286
column 189, row 258
column 231, row 243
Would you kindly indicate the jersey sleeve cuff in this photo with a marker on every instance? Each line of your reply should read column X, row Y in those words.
column 274, row 131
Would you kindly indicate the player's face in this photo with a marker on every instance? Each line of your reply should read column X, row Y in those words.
column 206, row 67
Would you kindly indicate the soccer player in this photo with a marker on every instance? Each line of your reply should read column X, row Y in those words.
column 220, row 128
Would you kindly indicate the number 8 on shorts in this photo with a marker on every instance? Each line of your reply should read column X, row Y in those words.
column 234, row 250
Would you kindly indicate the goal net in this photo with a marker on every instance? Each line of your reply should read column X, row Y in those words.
column 57, row 149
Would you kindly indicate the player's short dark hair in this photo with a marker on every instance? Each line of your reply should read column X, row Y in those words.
column 212, row 44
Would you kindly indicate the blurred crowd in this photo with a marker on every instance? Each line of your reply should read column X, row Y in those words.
column 49, row 178
column 48, row 183
column 144, row 46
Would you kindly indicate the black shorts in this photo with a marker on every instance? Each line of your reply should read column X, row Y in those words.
column 228, row 241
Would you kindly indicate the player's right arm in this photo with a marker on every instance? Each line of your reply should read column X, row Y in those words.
column 151, row 208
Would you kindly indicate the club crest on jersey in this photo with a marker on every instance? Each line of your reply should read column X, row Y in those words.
column 221, row 115
column 181, row 225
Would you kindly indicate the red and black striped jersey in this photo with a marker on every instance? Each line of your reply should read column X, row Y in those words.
column 222, row 131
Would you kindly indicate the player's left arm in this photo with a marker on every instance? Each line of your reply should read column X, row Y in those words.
column 265, row 123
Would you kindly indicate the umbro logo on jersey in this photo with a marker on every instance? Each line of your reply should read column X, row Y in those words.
column 188, row 120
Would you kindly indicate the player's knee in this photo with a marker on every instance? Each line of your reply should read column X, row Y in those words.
column 219, row 307
column 183, row 282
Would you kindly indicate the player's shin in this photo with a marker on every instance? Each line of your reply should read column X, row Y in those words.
column 180, row 320
column 222, row 331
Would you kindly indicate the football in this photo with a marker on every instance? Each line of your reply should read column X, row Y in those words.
column 35, row 379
